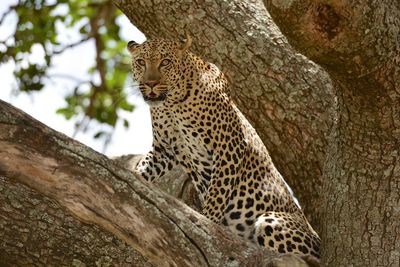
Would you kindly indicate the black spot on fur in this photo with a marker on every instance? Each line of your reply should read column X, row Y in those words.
column 268, row 230
column 240, row 227
column 235, row 215
column 260, row 240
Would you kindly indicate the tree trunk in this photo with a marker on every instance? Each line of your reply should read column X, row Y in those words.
column 358, row 43
column 334, row 135
column 97, row 192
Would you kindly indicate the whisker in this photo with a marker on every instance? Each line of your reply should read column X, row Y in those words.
column 126, row 95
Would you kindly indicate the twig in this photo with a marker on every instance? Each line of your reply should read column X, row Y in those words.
column 87, row 38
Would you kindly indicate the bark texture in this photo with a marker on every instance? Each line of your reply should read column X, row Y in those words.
column 286, row 97
column 358, row 43
column 98, row 192
column 37, row 231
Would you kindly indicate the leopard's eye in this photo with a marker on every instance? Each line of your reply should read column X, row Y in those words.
column 141, row 62
column 165, row 62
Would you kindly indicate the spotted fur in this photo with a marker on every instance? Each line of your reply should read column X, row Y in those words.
column 197, row 126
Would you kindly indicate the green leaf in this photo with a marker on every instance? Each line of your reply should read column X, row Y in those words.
column 126, row 123
column 37, row 22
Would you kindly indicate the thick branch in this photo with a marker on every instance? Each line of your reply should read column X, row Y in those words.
column 36, row 231
column 98, row 192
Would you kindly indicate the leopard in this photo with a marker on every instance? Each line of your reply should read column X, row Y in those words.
column 197, row 126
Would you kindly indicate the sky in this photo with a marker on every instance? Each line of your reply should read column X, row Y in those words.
column 42, row 105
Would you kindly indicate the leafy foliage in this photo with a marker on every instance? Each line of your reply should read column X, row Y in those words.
column 99, row 98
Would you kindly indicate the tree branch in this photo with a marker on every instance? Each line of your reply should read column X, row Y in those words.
column 96, row 191
column 71, row 45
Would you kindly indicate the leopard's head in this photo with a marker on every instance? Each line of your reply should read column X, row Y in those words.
column 157, row 67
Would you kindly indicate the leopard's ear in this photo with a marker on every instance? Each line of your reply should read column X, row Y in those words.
column 186, row 41
column 132, row 45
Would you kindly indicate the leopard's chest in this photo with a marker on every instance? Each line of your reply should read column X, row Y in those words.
column 192, row 144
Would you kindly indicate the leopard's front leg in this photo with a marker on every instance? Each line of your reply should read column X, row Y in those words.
column 155, row 164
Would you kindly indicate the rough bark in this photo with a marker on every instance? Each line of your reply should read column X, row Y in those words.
column 358, row 43
column 100, row 193
column 286, row 97
column 37, row 231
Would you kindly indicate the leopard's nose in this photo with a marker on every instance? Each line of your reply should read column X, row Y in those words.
column 151, row 83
